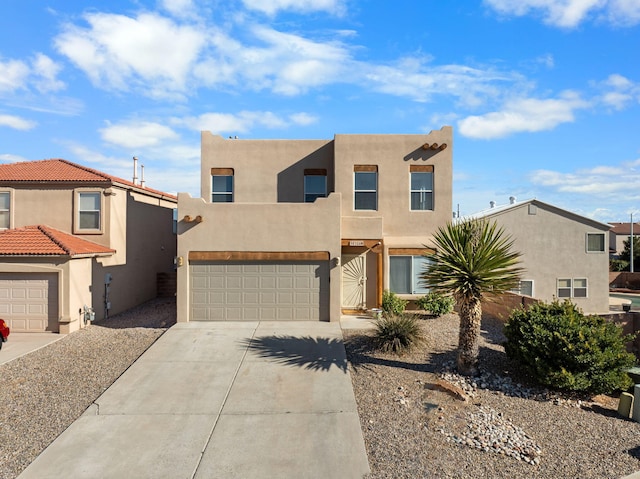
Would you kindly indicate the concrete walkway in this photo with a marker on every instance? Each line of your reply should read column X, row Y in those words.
column 221, row 400
column 20, row 344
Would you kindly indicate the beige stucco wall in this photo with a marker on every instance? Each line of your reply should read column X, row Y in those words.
column 393, row 155
column 74, row 280
column 265, row 171
column 145, row 231
column 138, row 226
column 270, row 227
column 553, row 245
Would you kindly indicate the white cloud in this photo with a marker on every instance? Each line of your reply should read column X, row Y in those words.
column 179, row 8
column 618, row 92
column 621, row 181
column 232, row 123
column 137, row 134
column 10, row 158
column 527, row 114
column 303, row 119
column 152, row 52
column 418, row 79
column 13, row 75
column 46, row 71
column 570, row 13
column 271, row 7
column 16, row 122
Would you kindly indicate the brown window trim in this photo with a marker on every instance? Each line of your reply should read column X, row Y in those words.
column 315, row 172
column 222, row 171
column 421, row 168
column 410, row 251
column 369, row 168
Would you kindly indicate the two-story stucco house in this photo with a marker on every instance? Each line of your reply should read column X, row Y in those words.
column 309, row 229
column 73, row 240
column 565, row 255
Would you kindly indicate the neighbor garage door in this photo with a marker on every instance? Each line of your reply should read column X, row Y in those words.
column 259, row 290
column 29, row 301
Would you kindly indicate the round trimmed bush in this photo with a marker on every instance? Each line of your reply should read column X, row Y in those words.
column 562, row 348
column 437, row 304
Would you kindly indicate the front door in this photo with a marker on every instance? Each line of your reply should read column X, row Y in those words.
column 354, row 281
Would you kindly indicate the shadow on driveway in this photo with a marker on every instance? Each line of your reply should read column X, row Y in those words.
column 317, row 354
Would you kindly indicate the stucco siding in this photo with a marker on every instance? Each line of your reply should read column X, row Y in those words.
column 553, row 245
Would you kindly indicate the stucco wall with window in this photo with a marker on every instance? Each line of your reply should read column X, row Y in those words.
column 393, row 156
column 554, row 245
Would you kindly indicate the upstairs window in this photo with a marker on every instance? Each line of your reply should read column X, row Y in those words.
column 595, row 242
column 315, row 184
column 89, row 210
column 222, row 185
column 5, row 210
column 421, row 187
column 365, row 190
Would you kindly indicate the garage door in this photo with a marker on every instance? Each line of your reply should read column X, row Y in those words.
column 259, row 290
column 29, row 301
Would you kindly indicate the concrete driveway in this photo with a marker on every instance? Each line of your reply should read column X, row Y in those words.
column 221, row 400
column 20, row 344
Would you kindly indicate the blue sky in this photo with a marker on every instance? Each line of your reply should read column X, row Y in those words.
column 543, row 95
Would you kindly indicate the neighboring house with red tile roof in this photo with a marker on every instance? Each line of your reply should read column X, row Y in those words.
column 74, row 239
column 619, row 233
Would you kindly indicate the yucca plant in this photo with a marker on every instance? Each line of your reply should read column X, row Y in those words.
column 397, row 333
column 473, row 261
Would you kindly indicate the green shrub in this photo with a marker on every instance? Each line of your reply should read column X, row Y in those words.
column 437, row 304
column 562, row 348
column 397, row 333
column 391, row 304
column 618, row 265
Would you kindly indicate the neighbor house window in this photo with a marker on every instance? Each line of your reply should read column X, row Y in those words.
column 5, row 209
column 572, row 288
column 421, row 187
column 222, row 185
column 525, row 287
column 365, row 187
column 89, row 210
column 315, row 184
column 595, row 242
column 405, row 274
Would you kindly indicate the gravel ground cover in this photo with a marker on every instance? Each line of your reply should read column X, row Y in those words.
column 421, row 420
column 42, row 393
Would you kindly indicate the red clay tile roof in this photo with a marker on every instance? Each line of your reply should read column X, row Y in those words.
column 41, row 240
column 625, row 228
column 57, row 170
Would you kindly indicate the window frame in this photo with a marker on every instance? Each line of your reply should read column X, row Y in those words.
column 223, row 173
column 314, row 173
column 572, row 288
column 518, row 290
column 77, row 228
column 421, row 169
column 592, row 251
column 364, row 169
column 414, row 276
column 9, row 210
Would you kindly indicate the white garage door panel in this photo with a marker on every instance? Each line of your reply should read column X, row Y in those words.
column 29, row 301
column 258, row 290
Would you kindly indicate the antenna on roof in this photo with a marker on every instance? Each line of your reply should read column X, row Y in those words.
column 135, row 170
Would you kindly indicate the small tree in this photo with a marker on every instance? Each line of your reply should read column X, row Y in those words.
column 561, row 347
column 626, row 252
column 473, row 260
